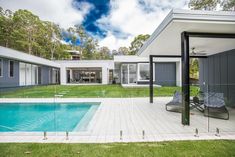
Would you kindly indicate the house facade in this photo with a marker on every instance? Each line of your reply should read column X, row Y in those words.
column 21, row 69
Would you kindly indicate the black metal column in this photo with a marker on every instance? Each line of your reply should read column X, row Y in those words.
column 151, row 79
column 185, row 78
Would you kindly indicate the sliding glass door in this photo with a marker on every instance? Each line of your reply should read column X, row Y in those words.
column 129, row 73
column 132, row 73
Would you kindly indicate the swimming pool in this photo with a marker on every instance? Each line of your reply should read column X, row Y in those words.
column 50, row 117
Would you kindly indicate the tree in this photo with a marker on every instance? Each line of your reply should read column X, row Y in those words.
column 88, row 45
column 137, row 43
column 123, row 51
column 53, row 37
column 212, row 4
column 194, row 68
column 6, row 27
column 89, row 48
column 27, row 29
column 203, row 4
column 104, row 53
column 228, row 5
column 71, row 34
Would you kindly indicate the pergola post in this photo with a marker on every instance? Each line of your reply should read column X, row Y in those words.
column 151, row 79
column 185, row 78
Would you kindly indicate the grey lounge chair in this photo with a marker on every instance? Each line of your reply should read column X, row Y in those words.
column 175, row 105
column 214, row 105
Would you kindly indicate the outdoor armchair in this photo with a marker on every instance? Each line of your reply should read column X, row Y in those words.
column 214, row 105
column 175, row 105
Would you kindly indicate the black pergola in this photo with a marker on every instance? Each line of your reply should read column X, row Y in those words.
column 185, row 68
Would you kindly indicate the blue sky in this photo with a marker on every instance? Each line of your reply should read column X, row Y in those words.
column 100, row 8
column 113, row 23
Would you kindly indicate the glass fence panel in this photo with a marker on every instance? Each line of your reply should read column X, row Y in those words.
column 220, row 107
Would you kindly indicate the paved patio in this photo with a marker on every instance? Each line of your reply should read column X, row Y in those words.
column 131, row 120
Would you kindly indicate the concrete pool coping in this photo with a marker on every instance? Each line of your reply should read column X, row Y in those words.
column 132, row 117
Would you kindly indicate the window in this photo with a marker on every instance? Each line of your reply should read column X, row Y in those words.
column 1, row 67
column 39, row 75
column 143, row 72
column 22, row 74
column 11, row 68
column 132, row 73
column 129, row 74
column 124, row 74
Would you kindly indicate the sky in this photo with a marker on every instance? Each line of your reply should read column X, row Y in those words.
column 114, row 23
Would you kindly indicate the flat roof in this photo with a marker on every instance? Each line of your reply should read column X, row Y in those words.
column 86, row 63
column 24, row 57
column 136, row 59
column 166, row 39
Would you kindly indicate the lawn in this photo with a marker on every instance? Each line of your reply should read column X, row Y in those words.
column 216, row 148
column 91, row 91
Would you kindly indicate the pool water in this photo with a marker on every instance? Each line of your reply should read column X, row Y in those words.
column 51, row 117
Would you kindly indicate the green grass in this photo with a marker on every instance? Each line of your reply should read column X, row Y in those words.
column 85, row 91
column 222, row 148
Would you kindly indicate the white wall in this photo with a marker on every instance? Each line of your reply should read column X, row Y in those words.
column 178, row 74
column 105, row 65
column 63, row 76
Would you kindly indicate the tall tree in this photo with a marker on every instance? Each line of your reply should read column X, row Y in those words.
column 88, row 45
column 27, row 30
column 6, row 27
column 203, row 4
column 137, row 43
column 228, row 5
column 104, row 53
column 53, row 37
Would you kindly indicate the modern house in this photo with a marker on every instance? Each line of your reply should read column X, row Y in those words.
column 206, row 35
column 134, row 70
column 21, row 69
column 163, row 60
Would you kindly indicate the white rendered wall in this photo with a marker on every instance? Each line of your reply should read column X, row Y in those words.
column 178, row 74
column 105, row 65
column 63, row 76
column 105, row 75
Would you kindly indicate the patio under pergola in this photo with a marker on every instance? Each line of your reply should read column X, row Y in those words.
column 212, row 33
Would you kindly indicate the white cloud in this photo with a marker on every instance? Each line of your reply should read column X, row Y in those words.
column 134, row 17
column 113, row 43
column 125, row 20
column 61, row 12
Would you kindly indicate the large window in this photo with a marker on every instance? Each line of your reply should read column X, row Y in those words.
column 129, row 73
column 11, row 68
column 22, row 74
column 1, row 67
column 29, row 74
column 132, row 73
column 143, row 72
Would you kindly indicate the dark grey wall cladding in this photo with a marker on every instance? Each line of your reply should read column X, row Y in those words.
column 5, row 80
column 165, row 74
column 218, row 74
column 46, row 75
